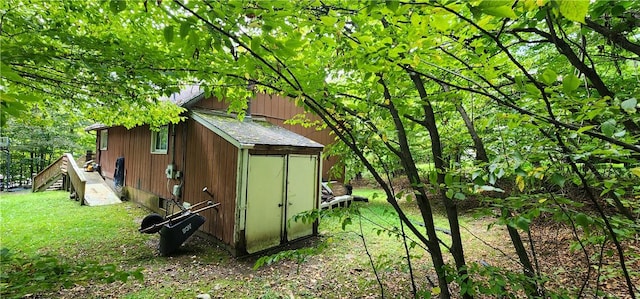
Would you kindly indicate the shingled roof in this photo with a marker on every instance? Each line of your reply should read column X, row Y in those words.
column 246, row 134
column 185, row 96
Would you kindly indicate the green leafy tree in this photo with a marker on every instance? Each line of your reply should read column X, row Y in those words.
column 550, row 86
column 78, row 54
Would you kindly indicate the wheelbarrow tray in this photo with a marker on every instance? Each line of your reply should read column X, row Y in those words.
column 172, row 235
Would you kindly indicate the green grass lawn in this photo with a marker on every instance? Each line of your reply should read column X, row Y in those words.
column 48, row 223
column 51, row 223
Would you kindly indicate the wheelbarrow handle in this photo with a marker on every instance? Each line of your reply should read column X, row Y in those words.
column 209, row 206
column 187, row 209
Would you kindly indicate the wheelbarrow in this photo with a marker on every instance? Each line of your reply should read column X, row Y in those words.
column 176, row 228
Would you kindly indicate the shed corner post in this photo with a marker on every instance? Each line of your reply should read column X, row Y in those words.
column 241, row 194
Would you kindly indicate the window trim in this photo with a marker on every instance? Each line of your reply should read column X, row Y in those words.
column 104, row 139
column 154, row 140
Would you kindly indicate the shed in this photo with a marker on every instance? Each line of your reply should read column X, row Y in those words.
column 278, row 176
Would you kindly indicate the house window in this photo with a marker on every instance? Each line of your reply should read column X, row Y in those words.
column 160, row 140
column 104, row 138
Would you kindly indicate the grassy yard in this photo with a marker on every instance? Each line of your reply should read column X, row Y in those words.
column 49, row 223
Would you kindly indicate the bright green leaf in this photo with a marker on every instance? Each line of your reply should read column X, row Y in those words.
column 574, row 10
column 584, row 129
column 7, row 72
column 329, row 21
column 448, row 179
column 548, row 76
column 449, row 193
column 500, row 11
column 495, row 3
column 570, row 83
column 532, row 89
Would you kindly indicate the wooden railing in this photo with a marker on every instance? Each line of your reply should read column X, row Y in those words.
column 65, row 165
column 76, row 176
column 53, row 172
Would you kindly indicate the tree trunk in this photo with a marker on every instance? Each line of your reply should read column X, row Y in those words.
column 481, row 153
column 421, row 196
column 451, row 207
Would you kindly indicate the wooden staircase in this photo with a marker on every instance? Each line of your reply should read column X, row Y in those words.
column 63, row 174
column 55, row 172
column 57, row 185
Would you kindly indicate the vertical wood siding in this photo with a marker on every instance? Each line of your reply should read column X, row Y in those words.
column 209, row 161
column 212, row 162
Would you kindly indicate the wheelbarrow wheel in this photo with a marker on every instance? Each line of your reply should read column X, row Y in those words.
column 151, row 220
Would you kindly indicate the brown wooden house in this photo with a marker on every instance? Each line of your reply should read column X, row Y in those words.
column 261, row 170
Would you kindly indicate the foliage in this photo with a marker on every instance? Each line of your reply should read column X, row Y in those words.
column 74, row 54
column 519, row 101
column 39, row 139
column 28, row 275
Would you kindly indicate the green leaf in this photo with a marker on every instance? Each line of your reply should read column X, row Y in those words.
column 608, row 127
column 532, row 90
column 117, row 6
column 459, row 196
column 635, row 171
column 433, row 177
column 584, row 129
column 392, row 5
column 7, row 72
column 346, row 221
column 574, row 10
column 328, row 20
column 448, row 179
column 629, row 105
column 548, row 76
column 184, row 29
column 168, row 34
column 523, row 223
column 256, row 43
column 582, row 219
column 449, row 193
column 495, row 3
column 557, row 179
column 294, row 43
column 570, row 83
column 499, row 11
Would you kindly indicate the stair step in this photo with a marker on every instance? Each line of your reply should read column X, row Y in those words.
column 56, row 186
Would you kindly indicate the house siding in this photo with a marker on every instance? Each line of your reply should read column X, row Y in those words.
column 210, row 161
column 276, row 110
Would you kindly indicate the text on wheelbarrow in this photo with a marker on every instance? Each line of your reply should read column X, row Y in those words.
column 186, row 229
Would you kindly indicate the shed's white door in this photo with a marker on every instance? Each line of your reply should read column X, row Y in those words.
column 302, row 186
column 265, row 199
